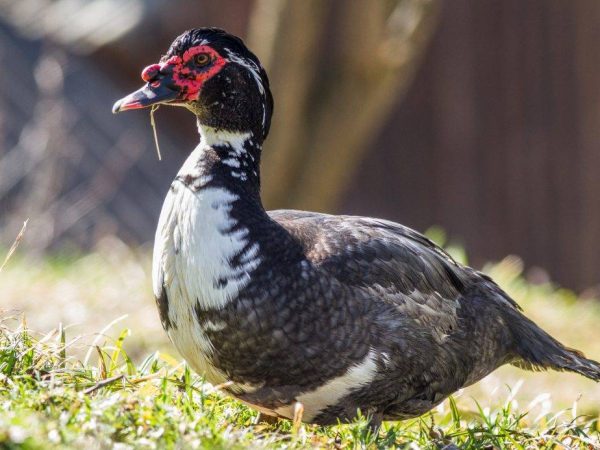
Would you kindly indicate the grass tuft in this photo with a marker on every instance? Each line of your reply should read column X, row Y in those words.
column 51, row 399
column 75, row 387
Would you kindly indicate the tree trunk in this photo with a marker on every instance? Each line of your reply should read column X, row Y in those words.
column 336, row 70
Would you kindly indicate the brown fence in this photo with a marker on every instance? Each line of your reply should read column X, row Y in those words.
column 498, row 139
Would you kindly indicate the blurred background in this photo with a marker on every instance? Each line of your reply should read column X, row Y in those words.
column 480, row 117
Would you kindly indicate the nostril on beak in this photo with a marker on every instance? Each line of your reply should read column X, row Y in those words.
column 150, row 72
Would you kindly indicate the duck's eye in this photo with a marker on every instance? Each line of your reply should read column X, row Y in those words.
column 201, row 59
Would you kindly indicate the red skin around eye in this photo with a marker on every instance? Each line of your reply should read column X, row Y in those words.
column 185, row 73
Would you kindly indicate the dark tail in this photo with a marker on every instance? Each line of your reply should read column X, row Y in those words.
column 537, row 350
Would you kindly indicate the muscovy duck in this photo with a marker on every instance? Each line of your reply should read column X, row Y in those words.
column 336, row 313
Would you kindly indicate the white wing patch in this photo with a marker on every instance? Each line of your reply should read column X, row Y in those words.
column 334, row 390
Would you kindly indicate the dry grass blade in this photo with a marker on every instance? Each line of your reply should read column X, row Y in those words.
column 101, row 363
column 13, row 247
column 100, row 336
column 153, row 124
column 160, row 374
column 103, row 383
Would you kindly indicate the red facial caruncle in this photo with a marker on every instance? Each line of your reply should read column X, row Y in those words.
column 188, row 74
column 177, row 79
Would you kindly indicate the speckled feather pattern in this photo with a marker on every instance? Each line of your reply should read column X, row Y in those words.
column 339, row 313
column 323, row 295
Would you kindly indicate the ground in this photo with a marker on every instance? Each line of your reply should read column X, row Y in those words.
column 108, row 378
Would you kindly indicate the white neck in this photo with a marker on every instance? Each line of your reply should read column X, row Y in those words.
column 211, row 137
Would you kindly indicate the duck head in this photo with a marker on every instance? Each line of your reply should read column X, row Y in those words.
column 214, row 75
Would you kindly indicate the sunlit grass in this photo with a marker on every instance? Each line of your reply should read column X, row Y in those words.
column 92, row 385
column 52, row 400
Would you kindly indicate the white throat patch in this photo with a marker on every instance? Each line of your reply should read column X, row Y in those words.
column 212, row 137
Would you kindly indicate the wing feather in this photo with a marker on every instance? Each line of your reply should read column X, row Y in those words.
column 392, row 263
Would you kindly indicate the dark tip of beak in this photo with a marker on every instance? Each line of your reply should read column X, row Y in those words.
column 117, row 106
column 148, row 95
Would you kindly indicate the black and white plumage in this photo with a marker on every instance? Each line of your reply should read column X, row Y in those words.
column 339, row 313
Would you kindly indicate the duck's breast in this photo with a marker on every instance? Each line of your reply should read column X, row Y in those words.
column 196, row 240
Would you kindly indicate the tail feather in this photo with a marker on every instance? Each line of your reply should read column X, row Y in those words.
column 537, row 350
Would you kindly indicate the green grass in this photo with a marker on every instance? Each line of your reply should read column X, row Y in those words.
column 90, row 386
column 52, row 400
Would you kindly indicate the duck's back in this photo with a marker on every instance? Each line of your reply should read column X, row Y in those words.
column 433, row 325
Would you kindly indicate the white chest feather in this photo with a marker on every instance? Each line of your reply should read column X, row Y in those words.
column 193, row 249
column 203, row 258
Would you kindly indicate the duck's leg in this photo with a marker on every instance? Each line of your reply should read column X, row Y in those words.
column 375, row 420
